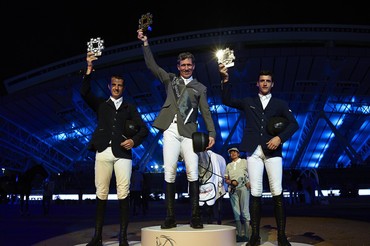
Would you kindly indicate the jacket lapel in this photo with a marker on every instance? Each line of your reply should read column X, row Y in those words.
column 111, row 103
column 258, row 103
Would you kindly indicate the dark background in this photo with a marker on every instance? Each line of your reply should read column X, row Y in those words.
column 35, row 34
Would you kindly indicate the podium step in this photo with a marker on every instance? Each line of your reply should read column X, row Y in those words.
column 184, row 235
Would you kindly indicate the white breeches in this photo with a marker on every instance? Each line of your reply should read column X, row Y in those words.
column 105, row 163
column 175, row 146
column 274, row 169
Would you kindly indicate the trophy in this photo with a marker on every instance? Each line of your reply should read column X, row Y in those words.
column 96, row 46
column 145, row 21
column 226, row 57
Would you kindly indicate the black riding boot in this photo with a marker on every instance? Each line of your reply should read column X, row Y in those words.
column 124, row 217
column 196, row 219
column 99, row 221
column 255, row 211
column 279, row 211
column 170, row 220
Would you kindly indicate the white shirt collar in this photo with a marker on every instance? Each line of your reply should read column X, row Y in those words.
column 117, row 102
column 186, row 81
column 265, row 97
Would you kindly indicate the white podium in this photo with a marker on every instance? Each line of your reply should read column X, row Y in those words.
column 184, row 235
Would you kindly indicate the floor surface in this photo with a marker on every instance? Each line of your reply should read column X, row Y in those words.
column 334, row 222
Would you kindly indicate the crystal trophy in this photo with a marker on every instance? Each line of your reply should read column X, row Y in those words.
column 95, row 45
column 226, row 57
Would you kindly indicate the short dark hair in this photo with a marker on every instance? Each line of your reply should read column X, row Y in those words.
column 117, row 76
column 267, row 73
column 185, row 55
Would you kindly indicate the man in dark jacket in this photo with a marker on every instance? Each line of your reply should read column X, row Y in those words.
column 262, row 141
column 120, row 128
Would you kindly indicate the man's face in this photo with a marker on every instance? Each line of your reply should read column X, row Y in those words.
column 234, row 154
column 116, row 88
column 265, row 84
column 186, row 68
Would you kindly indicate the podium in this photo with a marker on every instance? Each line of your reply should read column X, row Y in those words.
column 184, row 235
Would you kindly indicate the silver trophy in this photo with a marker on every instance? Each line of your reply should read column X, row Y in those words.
column 226, row 57
column 96, row 46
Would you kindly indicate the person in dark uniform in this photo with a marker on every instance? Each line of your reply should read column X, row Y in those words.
column 112, row 141
column 263, row 145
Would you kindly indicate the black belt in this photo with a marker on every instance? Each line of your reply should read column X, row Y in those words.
column 109, row 145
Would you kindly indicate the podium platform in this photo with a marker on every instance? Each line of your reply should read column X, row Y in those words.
column 184, row 235
column 138, row 243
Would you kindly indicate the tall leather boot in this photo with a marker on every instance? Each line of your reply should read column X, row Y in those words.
column 99, row 221
column 210, row 213
column 170, row 220
column 124, row 217
column 255, row 211
column 279, row 211
column 196, row 219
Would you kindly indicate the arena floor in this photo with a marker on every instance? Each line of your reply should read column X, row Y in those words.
column 334, row 222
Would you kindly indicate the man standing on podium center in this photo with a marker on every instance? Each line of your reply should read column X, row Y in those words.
column 178, row 121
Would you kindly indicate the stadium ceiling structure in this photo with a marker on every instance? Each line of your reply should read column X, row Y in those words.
column 323, row 71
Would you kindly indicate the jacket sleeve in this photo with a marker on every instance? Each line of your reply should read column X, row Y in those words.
column 87, row 94
column 292, row 126
column 227, row 98
column 206, row 114
column 152, row 65
column 143, row 132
